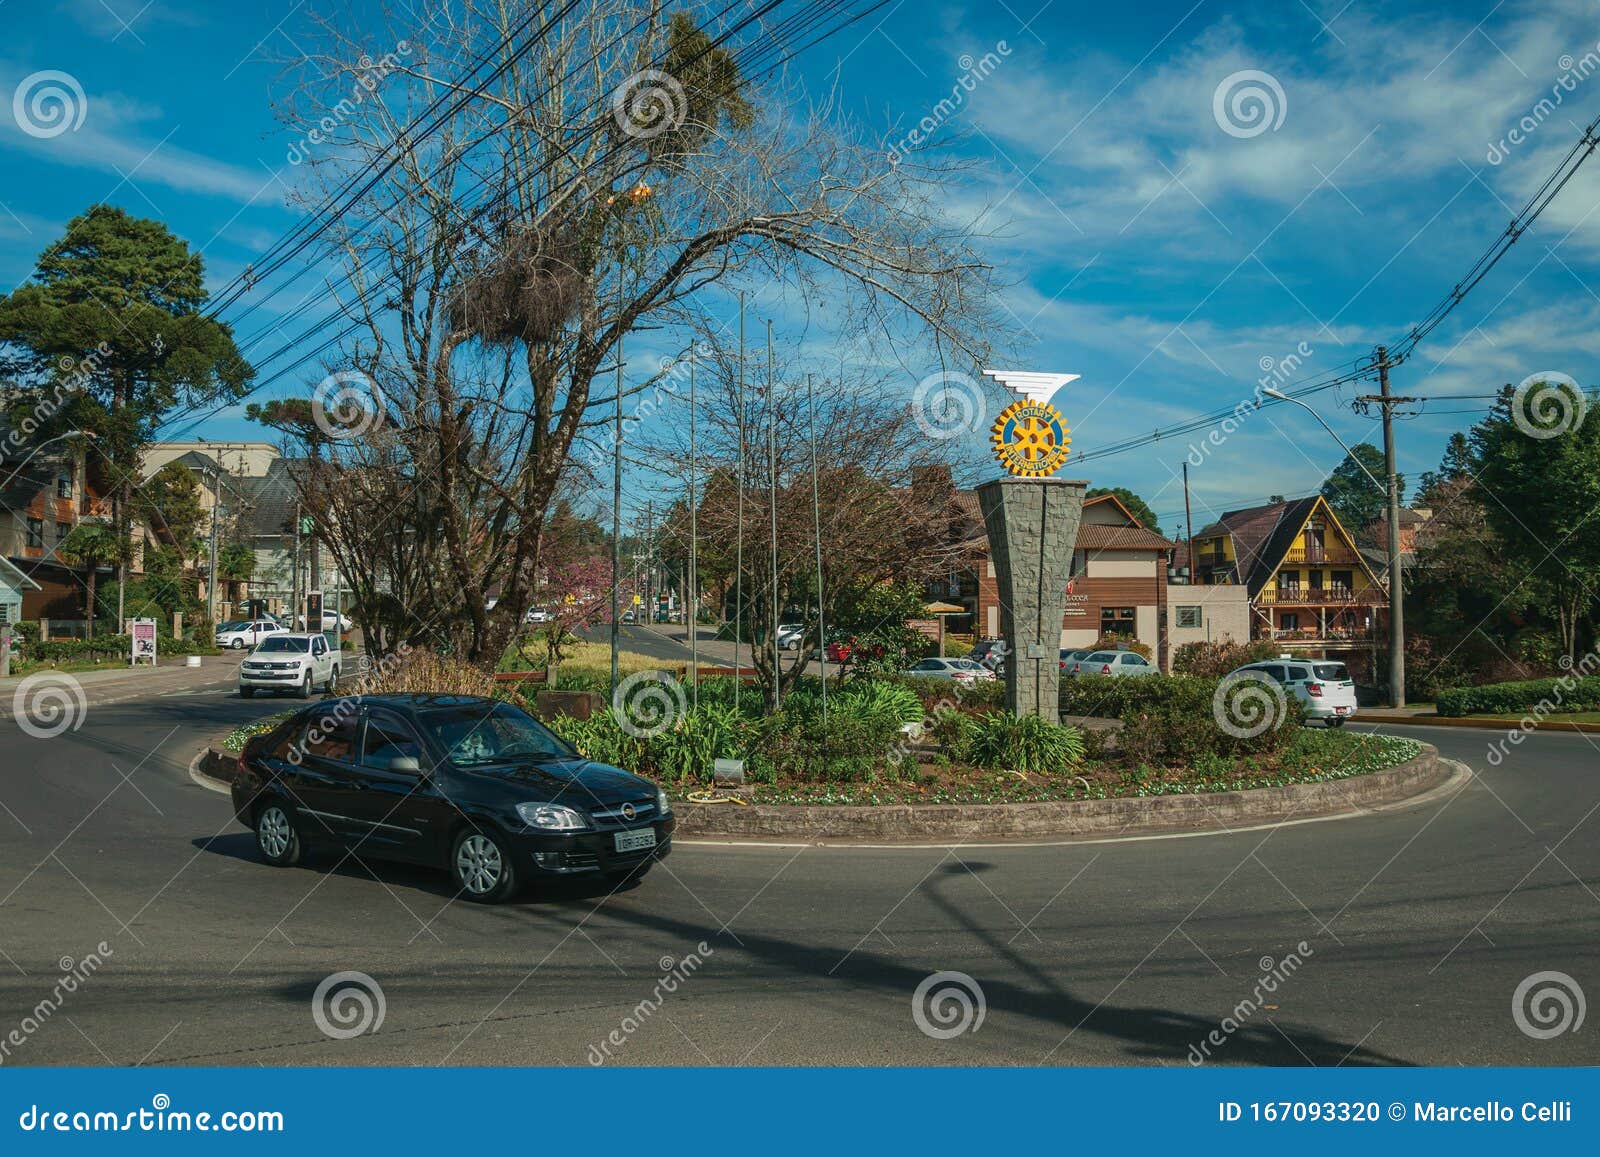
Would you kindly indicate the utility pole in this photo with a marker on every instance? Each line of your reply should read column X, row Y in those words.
column 1188, row 521
column 738, row 557
column 1397, row 621
column 816, row 527
column 616, row 523
column 294, row 588
column 692, row 586
column 211, row 575
column 772, row 460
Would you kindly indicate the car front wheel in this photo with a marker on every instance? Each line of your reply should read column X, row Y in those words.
column 481, row 864
column 275, row 836
column 237, row 644
column 305, row 686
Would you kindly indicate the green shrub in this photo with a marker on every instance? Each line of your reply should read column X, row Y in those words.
column 891, row 704
column 1219, row 658
column 1566, row 693
column 1002, row 741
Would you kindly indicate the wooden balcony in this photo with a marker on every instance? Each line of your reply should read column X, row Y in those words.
column 1312, row 637
column 1322, row 597
column 1305, row 554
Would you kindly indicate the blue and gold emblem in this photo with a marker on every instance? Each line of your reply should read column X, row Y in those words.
column 1031, row 439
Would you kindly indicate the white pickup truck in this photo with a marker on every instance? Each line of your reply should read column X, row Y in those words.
column 290, row 661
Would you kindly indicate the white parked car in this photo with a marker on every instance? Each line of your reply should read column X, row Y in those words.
column 790, row 636
column 1324, row 687
column 537, row 615
column 331, row 621
column 1114, row 664
column 961, row 670
column 290, row 661
column 248, row 632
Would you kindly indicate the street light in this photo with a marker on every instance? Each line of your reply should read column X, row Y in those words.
column 1397, row 641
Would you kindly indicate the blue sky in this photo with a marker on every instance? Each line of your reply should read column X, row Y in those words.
column 1144, row 245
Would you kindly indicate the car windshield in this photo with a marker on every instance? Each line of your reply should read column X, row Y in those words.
column 1333, row 672
column 231, row 625
column 479, row 735
column 270, row 645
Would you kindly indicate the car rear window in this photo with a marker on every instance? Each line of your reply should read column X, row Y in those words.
column 1333, row 672
column 1102, row 657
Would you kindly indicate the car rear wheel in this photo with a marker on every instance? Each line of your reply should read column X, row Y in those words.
column 481, row 864
column 333, row 681
column 275, row 835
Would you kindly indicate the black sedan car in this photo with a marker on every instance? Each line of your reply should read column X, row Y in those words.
column 474, row 785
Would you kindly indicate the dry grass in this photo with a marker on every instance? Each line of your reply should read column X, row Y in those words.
column 425, row 671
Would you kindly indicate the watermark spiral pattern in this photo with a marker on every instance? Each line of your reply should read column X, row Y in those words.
column 348, row 404
column 648, row 104
column 947, row 1004
column 647, row 703
column 348, row 1004
column 948, row 404
column 1248, row 103
column 1547, row 1004
column 49, row 103
column 48, row 704
column 1246, row 706
column 1548, row 405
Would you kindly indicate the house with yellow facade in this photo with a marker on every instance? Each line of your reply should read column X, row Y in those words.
column 1311, row 590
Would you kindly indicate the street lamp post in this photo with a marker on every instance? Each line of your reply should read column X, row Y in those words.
column 1390, row 492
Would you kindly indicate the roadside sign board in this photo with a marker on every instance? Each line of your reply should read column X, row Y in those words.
column 142, row 641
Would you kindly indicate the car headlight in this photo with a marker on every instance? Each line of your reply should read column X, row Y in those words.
column 551, row 817
column 663, row 804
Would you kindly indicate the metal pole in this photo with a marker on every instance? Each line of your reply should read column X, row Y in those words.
column 1188, row 520
column 772, row 459
column 738, row 555
column 816, row 525
column 1397, row 620
column 211, row 580
column 616, row 522
column 693, row 607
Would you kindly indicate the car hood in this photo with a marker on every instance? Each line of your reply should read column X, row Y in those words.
column 575, row 780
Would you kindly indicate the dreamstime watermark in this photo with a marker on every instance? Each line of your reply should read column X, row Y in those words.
column 49, row 103
column 73, row 374
column 947, row 1004
column 160, row 1117
column 1551, row 704
column 1573, row 73
column 369, row 74
column 973, row 73
column 1246, row 706
column 649, row 103
column 1548, row 404
column 74, row 974
column 1248, row 103
column 948, row 404
column 1275, row 372
column 1547, row 1004
column 646, row 703
column 48, row 704
column 673, row 974
column 348, row 1004
column 348, row 404
column 1274, row 973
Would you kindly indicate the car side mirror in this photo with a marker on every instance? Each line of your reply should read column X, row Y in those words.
column 406, row 764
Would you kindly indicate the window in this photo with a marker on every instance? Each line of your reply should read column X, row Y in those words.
column 388, row 739
column 62, row 530
column 1299, row 674
column 319, row 646
column 1342, row 580
column 331, row 737
column 35, row 532
column 1129, row 659
column 1116, row 621
column 1316, row 579
column 1288, row 580
column 1289, row 621
column 1189, row 618
column 1332, row 672
column 64, row 486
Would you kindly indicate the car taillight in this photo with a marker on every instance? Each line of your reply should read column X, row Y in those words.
column 961, row 674
column 238, row 766
column 1314, row 689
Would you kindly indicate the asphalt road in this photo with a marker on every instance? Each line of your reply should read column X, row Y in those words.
column 1418, row 925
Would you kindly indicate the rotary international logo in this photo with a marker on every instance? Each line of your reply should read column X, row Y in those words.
column 1031, row 439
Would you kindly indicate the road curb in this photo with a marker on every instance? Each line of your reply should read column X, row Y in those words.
column 1198, row 813
column 1479, row 724
column 214, row 768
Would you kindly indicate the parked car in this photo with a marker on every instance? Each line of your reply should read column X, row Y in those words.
column 838, row 650
column 475, row 786
column 1324, row 687
column 290, row 661
column 991, row 653
column 961, row 670
column 628, row 616
column 537, row 615
column 247, row 633
column 791, row 635
column 331, row 621
column 1115, row 664
column 1069, row 658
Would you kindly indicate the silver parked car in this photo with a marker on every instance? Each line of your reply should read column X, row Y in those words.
column 961, row 670
column 1116, row 664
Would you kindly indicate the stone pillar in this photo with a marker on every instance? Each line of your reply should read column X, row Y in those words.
column 1032, row 525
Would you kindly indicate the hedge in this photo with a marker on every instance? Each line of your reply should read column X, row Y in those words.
column 1566, row 693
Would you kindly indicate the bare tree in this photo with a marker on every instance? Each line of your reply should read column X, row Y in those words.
column 621, row 174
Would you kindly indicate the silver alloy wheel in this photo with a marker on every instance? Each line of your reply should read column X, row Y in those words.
column 478, row 864
column 273, row 831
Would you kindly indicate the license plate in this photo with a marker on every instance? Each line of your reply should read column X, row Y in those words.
column 1341, row 710
column 635, row 841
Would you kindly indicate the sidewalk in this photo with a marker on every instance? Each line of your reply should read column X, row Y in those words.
column 1428, row 716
